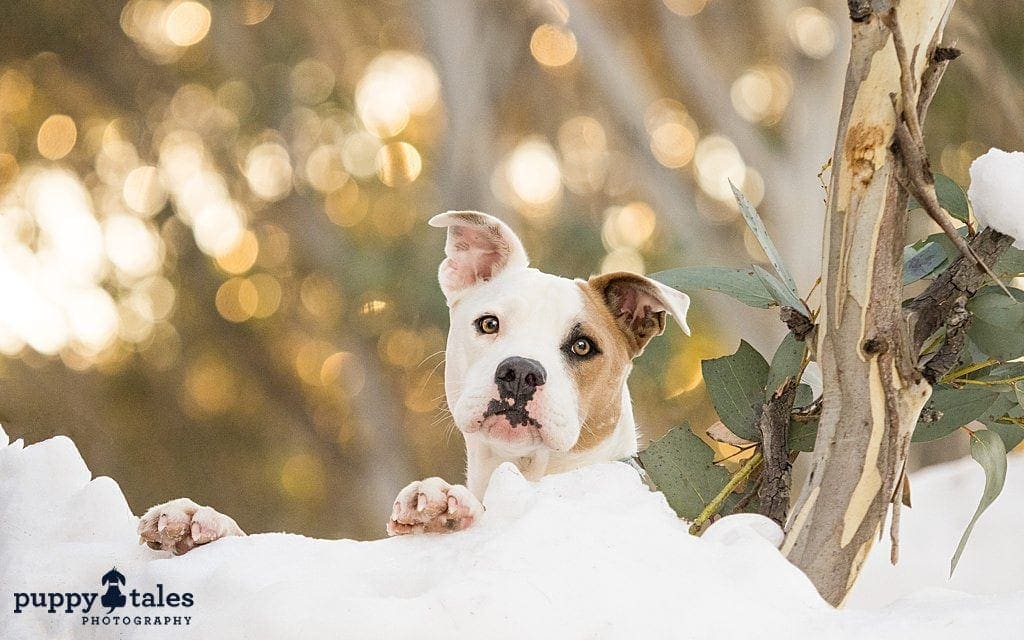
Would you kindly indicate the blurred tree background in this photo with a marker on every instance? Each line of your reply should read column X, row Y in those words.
column 215, row 273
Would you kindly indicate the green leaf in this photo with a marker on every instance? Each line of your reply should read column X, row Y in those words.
column 682, row 466
column 944, row 243
column 782, row 295
column 998, row 325
column 741, row 284
column 957, row 406
column 804, row 395
column 801, row 435
column 987, row 448
column 1011, row 434
column 1011, row 405
column 785, row 363
column 736, row 385
column 761, row 233
column 921, row 263
column 951, row 198
column 1010, row 264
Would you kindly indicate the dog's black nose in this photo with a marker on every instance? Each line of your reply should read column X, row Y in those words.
column 517, row 376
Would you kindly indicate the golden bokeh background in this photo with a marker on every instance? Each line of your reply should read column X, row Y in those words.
column 215, row 272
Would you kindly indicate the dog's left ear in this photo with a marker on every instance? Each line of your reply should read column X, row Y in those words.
column 479, row 247
column 640, row 304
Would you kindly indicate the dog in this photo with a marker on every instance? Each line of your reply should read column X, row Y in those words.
column 535, row 374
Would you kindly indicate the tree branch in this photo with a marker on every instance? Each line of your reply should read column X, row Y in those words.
column 933, row 308
column 774, row 426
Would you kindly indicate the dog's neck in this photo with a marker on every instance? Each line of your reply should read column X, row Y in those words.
column 483, row 457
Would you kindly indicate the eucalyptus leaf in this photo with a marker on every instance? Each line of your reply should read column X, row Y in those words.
column 741, row 284
column 736, row 385
column 802, row 434
column 988, row 450
column 998, row 325
column 999, row 418
column 944, row 243
column 683, row 468
column 782, row 295
column 921, row 263
column 1001, row 371
column 761, row 233
column 1010, row 264
column 785, row 363
column 804, row 395
column 951, row 196
column 1012, row 434
column 957, row 406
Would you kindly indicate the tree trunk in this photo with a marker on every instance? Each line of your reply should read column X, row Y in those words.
column 873, row 391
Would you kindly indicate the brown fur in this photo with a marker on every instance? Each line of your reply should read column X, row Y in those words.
column 599, row 380
column 627, row 298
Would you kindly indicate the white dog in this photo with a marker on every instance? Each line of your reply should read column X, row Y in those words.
column 535, row 374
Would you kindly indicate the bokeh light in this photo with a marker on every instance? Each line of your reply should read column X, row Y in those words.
column 534, row 176
column 268, row 169
column 553, row 45
column 186, row 23
column 686, row 8
column 398, row 164
column 57, row 137
column 716, row 162
column 812, row 32
column 762, row 94
column 395, row 86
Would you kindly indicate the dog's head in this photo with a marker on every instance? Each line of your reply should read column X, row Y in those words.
column 536, row 361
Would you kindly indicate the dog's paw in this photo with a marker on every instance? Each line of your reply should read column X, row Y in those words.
column 181, row 525
column 433, row 506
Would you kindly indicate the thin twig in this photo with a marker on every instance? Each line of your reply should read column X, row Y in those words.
column 716, row 502
column 971, row 368
column 917, row 178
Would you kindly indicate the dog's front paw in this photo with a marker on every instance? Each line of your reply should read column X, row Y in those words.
column 181, row 525
column 433, row 506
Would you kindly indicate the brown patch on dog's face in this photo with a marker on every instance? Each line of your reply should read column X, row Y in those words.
column 599, row 378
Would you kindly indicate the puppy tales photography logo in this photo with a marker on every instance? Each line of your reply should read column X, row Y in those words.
column 116, row 606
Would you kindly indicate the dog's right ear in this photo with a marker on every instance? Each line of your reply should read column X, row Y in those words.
column 479, row 247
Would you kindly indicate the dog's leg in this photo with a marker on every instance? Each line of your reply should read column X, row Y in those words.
column 433, row 506
column 181, row 525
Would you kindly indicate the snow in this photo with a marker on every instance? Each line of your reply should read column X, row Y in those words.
column 586, row 554
column 997, row 192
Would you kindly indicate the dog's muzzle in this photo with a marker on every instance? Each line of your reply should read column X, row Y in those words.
column 517, row 380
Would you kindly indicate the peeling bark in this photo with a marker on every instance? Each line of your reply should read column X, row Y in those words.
column 873, row 391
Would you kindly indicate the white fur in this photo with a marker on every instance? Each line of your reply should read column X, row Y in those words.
column 535, row 311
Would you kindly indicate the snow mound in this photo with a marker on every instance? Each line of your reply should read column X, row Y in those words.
column 997, row 192
column 586, row 554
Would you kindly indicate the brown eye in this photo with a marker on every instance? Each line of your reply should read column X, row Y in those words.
column 487, row 324
column 583, row 347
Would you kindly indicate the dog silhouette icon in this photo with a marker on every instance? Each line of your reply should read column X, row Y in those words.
column 113, row 598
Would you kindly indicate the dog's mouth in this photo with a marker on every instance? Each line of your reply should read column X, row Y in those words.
column 513, row 409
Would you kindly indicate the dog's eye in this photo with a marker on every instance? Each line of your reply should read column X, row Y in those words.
column 582, row 347
column 487, row 324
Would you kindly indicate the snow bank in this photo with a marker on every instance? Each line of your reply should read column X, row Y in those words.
column 587, row 554
column 997, row 192
column 944, row 498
